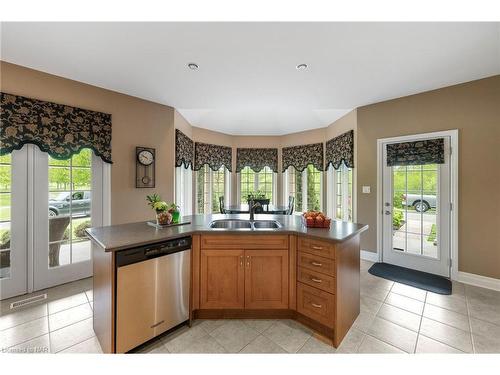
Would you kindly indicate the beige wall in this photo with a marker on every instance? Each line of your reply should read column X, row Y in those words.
column 474, row 109
column 135, row 122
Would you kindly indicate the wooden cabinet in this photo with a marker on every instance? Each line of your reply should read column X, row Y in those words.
column 222, row 279
column 316, row 304
column 253, row 274
column 266, row 279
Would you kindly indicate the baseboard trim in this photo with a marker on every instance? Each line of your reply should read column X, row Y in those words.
column 478, row 280
column 369, row 256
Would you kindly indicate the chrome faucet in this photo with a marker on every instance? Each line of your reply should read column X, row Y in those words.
column 251, row 208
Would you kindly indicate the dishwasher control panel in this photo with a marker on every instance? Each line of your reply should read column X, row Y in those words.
column 139, row 254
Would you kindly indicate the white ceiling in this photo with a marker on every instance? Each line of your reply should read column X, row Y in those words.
column 247, row 82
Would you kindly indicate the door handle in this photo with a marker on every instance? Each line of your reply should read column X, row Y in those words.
column 157, row 324
column 248, row 260
column 241, row 261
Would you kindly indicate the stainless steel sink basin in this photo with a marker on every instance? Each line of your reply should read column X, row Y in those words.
column 244, row 224
column 266, row 224
column 231, row 224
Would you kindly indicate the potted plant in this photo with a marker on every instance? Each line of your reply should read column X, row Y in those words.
column 163, row 216
column 258, row 196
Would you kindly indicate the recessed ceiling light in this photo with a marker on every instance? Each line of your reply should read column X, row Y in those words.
column 301, row 66
column 193, row 66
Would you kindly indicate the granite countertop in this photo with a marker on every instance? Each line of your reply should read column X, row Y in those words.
column 125, row 236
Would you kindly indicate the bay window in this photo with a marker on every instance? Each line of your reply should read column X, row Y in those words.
column 252, row 182
column 306, row 187
column 340, row 196
column 210, row 186
column 184, row 190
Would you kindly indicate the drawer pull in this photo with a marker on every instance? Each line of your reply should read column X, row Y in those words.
column 317, row 247
column 316, row 305
column 316, row 280
column 317, row 264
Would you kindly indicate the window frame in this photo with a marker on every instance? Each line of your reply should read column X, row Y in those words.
column 274, row 183
column 286, row 190
column 208, row 202
column 333, row 181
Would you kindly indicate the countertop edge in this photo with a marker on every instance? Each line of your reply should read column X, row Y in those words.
column 226, row 231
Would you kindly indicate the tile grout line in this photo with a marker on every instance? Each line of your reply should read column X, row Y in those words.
column 470, row 323
column 420, row 325
column 90, row 338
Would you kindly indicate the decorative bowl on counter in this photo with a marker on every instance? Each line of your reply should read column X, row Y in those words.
column 315, row 219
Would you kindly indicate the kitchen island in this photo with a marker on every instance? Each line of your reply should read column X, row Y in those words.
column 258, row 270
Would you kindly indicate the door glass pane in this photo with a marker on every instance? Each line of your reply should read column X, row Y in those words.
column 70, row 196
column 313, row 188
column 5, row 224
column 414, row 216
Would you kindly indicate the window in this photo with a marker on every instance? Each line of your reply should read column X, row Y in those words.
column 341, row 195
column 70, row 187
column 306, row 187
column 184, row 190
column 210, row 186
column 5, row 224
column 251, row 181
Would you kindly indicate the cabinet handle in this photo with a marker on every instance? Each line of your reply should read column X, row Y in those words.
column 241, row 261
column 316, row 305
column 317, row 247
column 316, row 280
column 248, row 260
column 316, row 264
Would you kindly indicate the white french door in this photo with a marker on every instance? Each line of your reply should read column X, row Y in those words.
column 416, row 203
column 50, row 203
column 13, row 223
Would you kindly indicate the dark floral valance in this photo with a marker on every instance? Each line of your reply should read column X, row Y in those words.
column 184, row 150
column 301, row 156
column 257, row 159
column 429, row 151
column 57, row 129
column 213, row 155
column 340, row 149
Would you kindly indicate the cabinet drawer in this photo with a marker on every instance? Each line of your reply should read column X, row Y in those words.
column 316, row 304
column 316, row 263
column 317, row 280
column 317, row 247
column 237, row 241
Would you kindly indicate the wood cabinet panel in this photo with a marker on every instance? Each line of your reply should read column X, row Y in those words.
column 316, row 263
column 242, row 241
column 222, row 280
column 317, row 247
column 316, row 304
column 316, row 279
column 266, row 279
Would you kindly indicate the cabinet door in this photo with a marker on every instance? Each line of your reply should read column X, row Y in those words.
column 222, row 284
column 266, row 279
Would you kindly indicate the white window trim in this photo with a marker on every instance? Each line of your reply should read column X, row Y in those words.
column 184, row 190
column 256, row 186
column 332, row 198
column 227, row 188
column 286, row 191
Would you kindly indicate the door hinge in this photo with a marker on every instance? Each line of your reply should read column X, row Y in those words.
column 451, row 150
column 451, row 263
column 451, row 206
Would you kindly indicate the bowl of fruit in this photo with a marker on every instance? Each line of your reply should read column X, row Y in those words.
column 316, row 219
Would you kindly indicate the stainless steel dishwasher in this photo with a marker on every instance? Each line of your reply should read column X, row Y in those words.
column 152, row 291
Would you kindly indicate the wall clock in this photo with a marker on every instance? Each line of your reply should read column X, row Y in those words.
column 145, row 159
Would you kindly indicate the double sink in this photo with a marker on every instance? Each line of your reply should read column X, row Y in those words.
column 244, row 224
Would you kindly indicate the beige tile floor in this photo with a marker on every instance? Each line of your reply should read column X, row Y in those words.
column 394, row 318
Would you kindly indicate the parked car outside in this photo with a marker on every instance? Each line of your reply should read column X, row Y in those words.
column 421, row 203
column 79, row 204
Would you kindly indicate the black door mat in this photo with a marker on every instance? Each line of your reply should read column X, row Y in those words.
column 417, row 279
